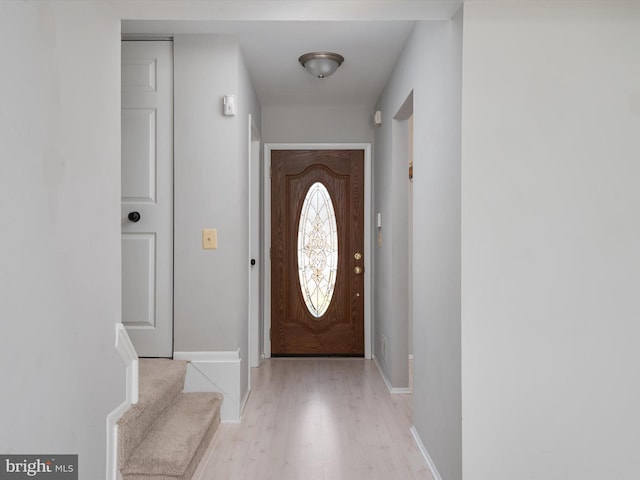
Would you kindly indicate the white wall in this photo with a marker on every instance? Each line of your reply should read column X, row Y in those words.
column 430, row 66
column 211, row 191
column 551, row 240
column 60, row 242
column 209, row 187
column 317, row 124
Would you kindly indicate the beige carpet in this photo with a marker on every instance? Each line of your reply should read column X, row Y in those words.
column 164, row 436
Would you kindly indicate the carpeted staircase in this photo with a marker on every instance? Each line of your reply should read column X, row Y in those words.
column 165, row 435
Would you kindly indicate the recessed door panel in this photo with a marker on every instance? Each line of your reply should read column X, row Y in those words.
column 139, row 74
column 139, row 130
column 139, row 284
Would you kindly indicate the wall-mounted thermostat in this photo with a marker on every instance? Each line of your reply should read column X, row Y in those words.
column 229, row 105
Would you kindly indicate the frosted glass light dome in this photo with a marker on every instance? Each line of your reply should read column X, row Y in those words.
column 321, row 64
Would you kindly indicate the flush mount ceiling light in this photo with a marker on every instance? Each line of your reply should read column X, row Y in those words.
column 321, row 64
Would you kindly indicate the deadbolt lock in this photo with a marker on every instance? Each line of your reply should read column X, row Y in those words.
column 357, row 256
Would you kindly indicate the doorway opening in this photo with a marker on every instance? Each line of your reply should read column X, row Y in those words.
column 256, row 260
column 410, row 248
column 403, row 157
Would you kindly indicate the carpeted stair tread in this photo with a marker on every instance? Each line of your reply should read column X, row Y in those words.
column 161, row 381
column 174, row 446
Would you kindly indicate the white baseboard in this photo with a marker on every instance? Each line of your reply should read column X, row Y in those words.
column 244, row 400
column 216, row 372
column 392, row 389
column 129, row 357
column 212, row 356
column 427, row 458
column 113, row 473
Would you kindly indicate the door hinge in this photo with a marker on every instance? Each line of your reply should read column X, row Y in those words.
column 270, row 172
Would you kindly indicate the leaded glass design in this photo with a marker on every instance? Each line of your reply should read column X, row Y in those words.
column 317, row 249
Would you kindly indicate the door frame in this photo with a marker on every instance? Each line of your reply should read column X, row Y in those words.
column 266, row 233
column 254, row 328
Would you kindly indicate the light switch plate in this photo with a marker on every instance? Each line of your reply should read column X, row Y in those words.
column 209, row 238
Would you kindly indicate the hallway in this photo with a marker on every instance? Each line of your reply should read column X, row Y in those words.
column 317, row 419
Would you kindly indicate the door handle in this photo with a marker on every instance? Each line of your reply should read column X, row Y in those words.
column 134, row 216
column 357, row 270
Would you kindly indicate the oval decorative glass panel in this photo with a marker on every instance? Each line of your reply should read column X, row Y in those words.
column 317, row 249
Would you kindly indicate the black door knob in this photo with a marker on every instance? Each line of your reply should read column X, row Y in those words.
column 134, row 216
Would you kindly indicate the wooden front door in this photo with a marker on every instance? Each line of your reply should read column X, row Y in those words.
column 317, row 257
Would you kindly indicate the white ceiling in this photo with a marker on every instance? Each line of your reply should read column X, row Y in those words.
column 370, row 49
column 369, row 34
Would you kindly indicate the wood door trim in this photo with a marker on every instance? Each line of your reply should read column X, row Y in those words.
column 368, row 236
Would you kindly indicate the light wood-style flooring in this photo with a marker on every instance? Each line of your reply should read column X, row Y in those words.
column 317, row 419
